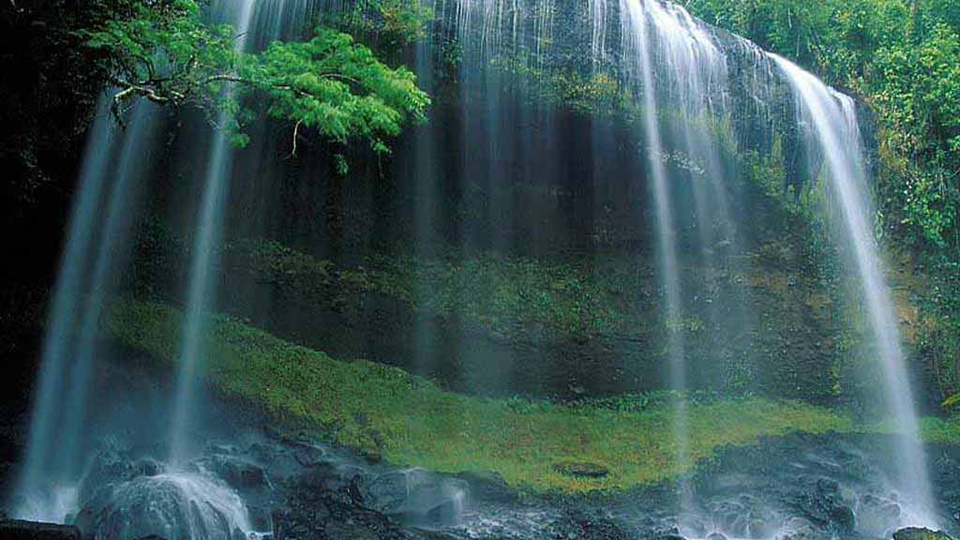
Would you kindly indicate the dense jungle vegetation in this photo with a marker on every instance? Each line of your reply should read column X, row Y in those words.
column 902, row 58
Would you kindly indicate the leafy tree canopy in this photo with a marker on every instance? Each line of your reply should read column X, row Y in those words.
column 163, row 51
column 903, row 58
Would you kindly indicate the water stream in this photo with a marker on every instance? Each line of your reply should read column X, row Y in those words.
column 834, row 118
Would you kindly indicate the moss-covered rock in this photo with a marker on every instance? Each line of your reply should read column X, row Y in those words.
column 916, row 533
column 411, row 421
column 581, row 469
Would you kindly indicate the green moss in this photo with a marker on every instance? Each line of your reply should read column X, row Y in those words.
column 506, row 296
column 941, row 430
column 410, row 421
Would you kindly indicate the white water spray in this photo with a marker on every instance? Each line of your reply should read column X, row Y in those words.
column 201, row 291
column 95, row 247
column 834, row 119
column 636, row 30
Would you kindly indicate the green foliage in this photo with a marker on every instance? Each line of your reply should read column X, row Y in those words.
column 902, row 57
column 161, row 50
column 336, row 87
column 598, row 93
column 393, row 23
column 509, row 296
column 410, row 421
column 339, row 89
column 918, row 89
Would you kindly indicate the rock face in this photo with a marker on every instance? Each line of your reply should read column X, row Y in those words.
column 26, row 530
column 313, row 512
column 237, row 472
column 796, row 488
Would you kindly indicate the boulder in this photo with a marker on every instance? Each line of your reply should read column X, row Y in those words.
column 27, row 530
column 309, row 513
column 418, row 497
column 580, row 524
column 581, row 470
column 236, row 472
column 173, row 506
column 489, row 487
column 821, row 502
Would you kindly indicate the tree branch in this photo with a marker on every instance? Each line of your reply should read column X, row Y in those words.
column 129, row 90
column 296, row 135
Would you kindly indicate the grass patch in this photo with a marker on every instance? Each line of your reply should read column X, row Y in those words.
column 410, row 421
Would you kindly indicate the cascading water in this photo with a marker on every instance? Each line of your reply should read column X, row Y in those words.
column 84, row 290
column 636, row 23
column 679, row 70
column 257, row 23
column 130, row 169
column 116, row 164
column 201, row 286
column 57, row 343
column 834, row 119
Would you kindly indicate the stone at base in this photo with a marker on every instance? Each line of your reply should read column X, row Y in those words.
column 27, row 530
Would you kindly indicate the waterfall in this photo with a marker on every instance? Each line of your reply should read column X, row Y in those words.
column 96, row 248
column 201, row 292
column 834, row 119
column 681, row 75
column 48, row 402
column 116, row 163
column 507, row 161
column 637, row 29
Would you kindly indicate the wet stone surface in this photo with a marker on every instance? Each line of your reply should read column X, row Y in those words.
column 793, row 488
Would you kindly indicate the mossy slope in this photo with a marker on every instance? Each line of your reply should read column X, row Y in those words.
column 410, row 421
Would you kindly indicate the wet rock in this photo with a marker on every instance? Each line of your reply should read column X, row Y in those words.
column 418, row 497
column 759, row 529
column 26, row 530
column 107, row 469
column 716, row 536
column 581, row 470
column 747, row 516
column 326, row 476
column 488, row 487
column 236, row 472
column 584, row 524
column 877, row 515
column 821, row 502
column 692, row 525
column 309, row 513
column 916, row 533
column 147, row 467
column 170, row 506
column 800, row 529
